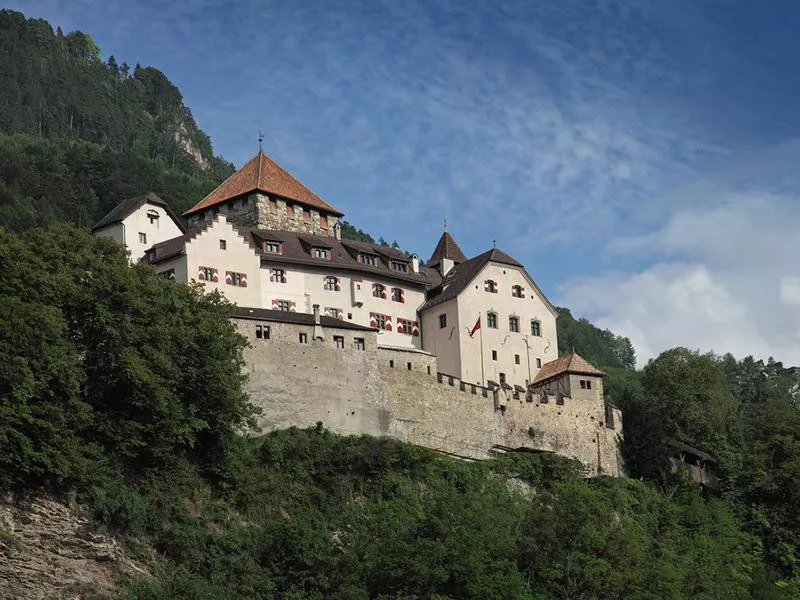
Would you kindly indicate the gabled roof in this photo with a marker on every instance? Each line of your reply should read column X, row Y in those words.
column 446, row 248
column 263, row 174
column 460, row 276
column 571, row 363
column 129, row 205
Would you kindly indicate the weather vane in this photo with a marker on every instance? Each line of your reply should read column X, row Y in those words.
column 260, row 139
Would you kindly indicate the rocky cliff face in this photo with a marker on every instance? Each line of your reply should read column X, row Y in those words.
column 49, row 550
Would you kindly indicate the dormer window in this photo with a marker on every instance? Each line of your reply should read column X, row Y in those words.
column 272, row 247
column 517, row 291
column 321, row 253
column 152, row 216
column 379, row 290
column 400, row 267
column 490, row 286
column 367, row 259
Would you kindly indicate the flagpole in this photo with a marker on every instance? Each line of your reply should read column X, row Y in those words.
column 483, row 376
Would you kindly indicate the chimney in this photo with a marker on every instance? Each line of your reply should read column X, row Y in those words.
column 318, row 335
column 337, row 230
column 446, row 265
column 415, row 263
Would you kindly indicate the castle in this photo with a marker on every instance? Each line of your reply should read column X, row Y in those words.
column 457, row 354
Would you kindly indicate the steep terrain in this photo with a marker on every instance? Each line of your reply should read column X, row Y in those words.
column 79, row 134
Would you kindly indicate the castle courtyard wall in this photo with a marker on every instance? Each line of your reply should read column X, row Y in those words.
column 398, row 393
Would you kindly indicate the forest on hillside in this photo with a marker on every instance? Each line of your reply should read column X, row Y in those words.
column 125, row 392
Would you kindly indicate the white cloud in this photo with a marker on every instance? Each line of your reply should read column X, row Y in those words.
column 726, row 279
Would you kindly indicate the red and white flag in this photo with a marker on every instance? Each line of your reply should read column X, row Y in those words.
column 476, row 327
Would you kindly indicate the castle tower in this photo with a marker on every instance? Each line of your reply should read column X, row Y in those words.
column 263, row 195
column 446, row 255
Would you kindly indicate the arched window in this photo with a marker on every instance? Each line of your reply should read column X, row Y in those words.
column 517, row 291
column 490, row 286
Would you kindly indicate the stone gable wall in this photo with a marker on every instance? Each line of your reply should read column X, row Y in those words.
column 269, row 212
column 374, row 392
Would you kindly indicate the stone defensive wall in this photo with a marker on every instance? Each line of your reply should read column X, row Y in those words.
column 398, row 393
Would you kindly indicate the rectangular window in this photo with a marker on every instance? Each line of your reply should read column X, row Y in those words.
column 491, row 320
column 400, row 267
column 442, row 321
column 303, row 338
column 513, row 324
column 378, row 290
column 405, row 326
column 152, row 216
column 223, row 245
column 262, row 332
column 334, row 312
column 367, row 259
column 494, row 354
column 588, row 384
column 338, row 340
column 283, row 305
column 381, row 321
column 142, row 238
column 332, row 283
column 536, row 328
column 207, row 274
column 359, row 343
column 538, row 363
column 397, row 295
column 323, row 253
column 236, row 279
column 516, row 359
column 272, row 247
column 168, row 274
column 278, row 276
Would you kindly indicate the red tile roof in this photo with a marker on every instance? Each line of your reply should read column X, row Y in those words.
column 572, row 363
column 447, row 248
column 261, row 173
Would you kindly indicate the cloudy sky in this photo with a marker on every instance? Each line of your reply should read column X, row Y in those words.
column 642, row 158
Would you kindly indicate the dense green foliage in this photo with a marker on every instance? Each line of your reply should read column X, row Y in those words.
column 744, row 413
column 106, row 368
column 77, row 134
column 306, row 514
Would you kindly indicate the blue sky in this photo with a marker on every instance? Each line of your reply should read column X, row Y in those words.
column 641, row 158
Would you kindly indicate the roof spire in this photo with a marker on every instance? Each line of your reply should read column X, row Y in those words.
column 494, row 243
column 260, row 140
column 445, row 224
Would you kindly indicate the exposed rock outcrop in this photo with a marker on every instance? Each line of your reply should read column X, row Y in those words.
column 49, row 550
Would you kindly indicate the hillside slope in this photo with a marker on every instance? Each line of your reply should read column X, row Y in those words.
column 79, row 134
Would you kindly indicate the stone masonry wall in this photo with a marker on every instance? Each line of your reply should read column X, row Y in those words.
column 269, row 212
column 398, row 393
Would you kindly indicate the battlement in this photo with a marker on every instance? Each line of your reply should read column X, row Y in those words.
column 339, row 375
